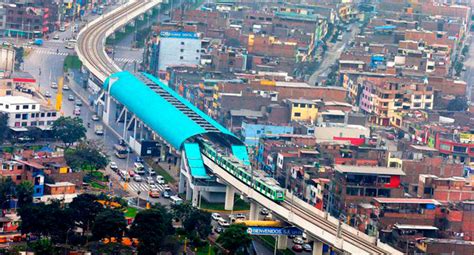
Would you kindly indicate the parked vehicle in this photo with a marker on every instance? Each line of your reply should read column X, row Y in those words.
column 176, row 200
column 137, row 178
column 307, row 247
column 166, row 194
column 298, row 240
column 95, row 117
column 223, row 223
column 297, row 248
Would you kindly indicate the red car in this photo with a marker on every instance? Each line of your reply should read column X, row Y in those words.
column 131, row 173
column 297, row 248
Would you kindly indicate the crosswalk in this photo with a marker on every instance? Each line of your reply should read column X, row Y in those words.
column 143, row 186
column 128, row 60
column 50, row 52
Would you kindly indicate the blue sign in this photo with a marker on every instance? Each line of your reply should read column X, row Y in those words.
column 179, row 34
column 274, row 231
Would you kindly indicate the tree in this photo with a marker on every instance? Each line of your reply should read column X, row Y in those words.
column 4, row 129
column 24, row 193
column 19, row 52
column 458, row 66
column 198, row 222
column 69, row 130
column 43, row 246
column 152, row 228
column 85, row 209
column 235, row 238
column 87, row 155
column 458, row 104
column 7, row 190
column 109, row 223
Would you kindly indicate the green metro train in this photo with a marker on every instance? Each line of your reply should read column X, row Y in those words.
column 260, row 182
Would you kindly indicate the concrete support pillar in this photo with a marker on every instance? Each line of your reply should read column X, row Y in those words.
column 282, row 242
column 195, row 198
column 253, row 215
column 229, row 198
column 163, row 152
column 181, row 183
column 317, row 248
column 189, row 191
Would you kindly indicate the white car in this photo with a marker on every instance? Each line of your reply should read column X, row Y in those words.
column 216, row 216
column 150, row 180
column 160, row 179
column 56, row 37
column 54, row 85
column 70, row 98
column 47, row 94
column 113, row 166
column 137, row 178
column 298, row 240
column 95, row 117
column 65, row 87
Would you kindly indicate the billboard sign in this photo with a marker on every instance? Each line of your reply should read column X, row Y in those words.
column 274, row 231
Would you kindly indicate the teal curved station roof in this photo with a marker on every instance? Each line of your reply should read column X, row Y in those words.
column 171, row 116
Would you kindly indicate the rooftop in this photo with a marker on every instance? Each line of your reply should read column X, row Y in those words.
column 301, row 101
column 368, row 170
column 387, row 200
column 60, row 184
column 17, row 100
column 417, row 227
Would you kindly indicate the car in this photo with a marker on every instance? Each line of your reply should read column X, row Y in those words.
column 54, row 85
column 151, row 171
column 155, row 193
column 167, row 187
column 307, row 247
column 95, row 117
column 70, row 98
column 166, row 194
column 137, row 178
column 131, row 173
column 264, row 211
column 240, row 216
column 65, row 87
column 218, row 230
column 47, row 94
column 298, row 240
column 153, row 186
column 113, row 166
column 62, row 29
column 138, row 160
column 78, row 102
column 139, row 168
column 297, row 248
column 216, row 216
column 150, row 180
column 234, row 217
column 77, row 111
column 56, row 37
column 223, row 223
column 160, row 179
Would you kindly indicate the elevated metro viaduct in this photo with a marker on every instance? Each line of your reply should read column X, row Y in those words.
column 145, row 109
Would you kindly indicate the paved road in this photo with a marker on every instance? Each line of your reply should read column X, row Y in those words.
column 333, row 54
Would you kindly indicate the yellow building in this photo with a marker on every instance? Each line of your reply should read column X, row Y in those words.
column 303, row 110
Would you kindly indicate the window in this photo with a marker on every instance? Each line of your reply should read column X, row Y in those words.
column 18, row 107
column 24, row 116
column 428, row 105
column 48, row 114
column 25, row 106
column 297, row 114
column 18, row 177
column 181, row 50
column 33, row 107
column 182, row 43
column 18, row 116
column 53, row 114
column 417, row 97
column 416, row 105
column 42, row 115
column 197, row 51
column 181, row 57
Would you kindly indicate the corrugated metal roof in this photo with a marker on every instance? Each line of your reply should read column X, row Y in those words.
column 160, row 108
column 388, row 200
column 240, row 152
column 195, row 163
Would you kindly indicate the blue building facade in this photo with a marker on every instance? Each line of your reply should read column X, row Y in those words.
column 251, row 133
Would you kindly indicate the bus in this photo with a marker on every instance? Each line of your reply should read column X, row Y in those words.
column 120, row 151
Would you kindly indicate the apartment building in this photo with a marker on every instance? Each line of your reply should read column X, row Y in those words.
column 24, row 112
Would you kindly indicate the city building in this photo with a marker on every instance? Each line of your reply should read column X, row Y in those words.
column 25, row 112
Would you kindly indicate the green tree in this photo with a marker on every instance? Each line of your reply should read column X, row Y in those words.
column 19, row 54
column 152, row 228
column 43, row 246
column 458, row 104
column 198, row 222
column 24, row 193
column 7, row 191
column 235, row 238
column 4, row 130
column 69, row 130
column 458, row 66
column 85, row 209
column 109, row 223
column 86, row 156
